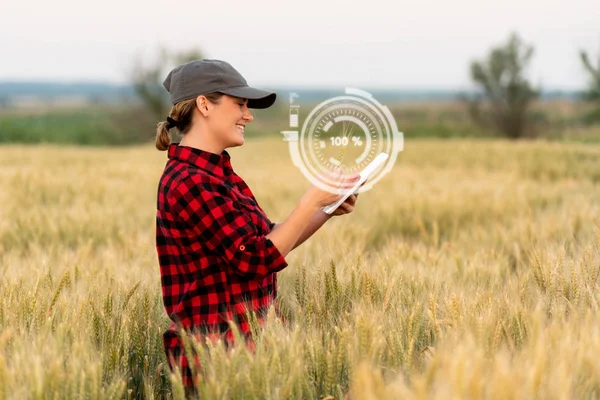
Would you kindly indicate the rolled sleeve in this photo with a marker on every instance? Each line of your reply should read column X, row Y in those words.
column 211, row 214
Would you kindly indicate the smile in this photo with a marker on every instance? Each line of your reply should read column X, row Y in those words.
column 240, row 127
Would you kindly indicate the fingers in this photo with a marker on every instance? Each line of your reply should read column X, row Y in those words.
column 351, row 200
column 339, row 179
column 350, row 180
column 348, row 208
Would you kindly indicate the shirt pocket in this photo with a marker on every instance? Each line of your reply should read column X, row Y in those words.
column 253, row 210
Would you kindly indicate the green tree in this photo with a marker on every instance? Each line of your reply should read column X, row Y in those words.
column 593, row 92
column 147, row 79
column 505, row 94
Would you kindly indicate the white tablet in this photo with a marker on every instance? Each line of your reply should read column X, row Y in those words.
column 364, row 175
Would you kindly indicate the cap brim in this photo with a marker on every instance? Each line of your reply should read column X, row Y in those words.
column 257, row 98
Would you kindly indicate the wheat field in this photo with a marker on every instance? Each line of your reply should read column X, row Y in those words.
column 471, row 271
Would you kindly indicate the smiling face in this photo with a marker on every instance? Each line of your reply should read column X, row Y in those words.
column 227, row 120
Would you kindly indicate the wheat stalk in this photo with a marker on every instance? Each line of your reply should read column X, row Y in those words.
column 346, row 133
column 424, row 284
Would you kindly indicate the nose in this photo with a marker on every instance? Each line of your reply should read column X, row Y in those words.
column 248, row 117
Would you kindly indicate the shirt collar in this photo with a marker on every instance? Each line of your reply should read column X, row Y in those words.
column 216, row 164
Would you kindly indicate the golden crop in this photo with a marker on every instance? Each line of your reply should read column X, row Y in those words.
column 470, row 271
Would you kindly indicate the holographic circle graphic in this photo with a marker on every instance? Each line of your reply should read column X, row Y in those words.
column 348, row 131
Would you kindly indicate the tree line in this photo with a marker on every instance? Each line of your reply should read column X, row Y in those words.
column 502, row 101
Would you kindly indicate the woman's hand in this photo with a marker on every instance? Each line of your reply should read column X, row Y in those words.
column 301, row 223
column 347, row 206
column 317, row 197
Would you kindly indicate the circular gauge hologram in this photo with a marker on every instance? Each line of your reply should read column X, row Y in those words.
column 348, row 132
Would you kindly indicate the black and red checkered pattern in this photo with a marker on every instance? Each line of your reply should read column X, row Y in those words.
column 215, row 262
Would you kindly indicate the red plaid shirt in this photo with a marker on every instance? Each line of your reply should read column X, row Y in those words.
column 215, row 262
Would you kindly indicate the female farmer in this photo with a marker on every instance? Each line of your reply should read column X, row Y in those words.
column 219, row 253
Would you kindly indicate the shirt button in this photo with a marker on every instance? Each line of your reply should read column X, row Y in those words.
column 242, row 247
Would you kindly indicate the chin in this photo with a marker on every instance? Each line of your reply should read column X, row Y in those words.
column 238, row 139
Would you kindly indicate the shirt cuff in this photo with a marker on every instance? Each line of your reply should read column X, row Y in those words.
column 258, row 256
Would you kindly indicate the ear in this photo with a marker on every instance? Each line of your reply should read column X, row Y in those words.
column 202, row 105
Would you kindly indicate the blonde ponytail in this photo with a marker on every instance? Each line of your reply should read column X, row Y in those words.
column 163, row 140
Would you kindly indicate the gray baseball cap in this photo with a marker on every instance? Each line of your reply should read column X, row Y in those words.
column 198, row 77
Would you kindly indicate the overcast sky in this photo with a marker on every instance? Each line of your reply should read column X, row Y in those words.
column 368, row 43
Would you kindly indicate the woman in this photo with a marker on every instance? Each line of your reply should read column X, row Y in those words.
column 219, row 253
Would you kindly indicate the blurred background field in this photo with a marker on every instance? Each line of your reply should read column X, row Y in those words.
column 471, row 271
column 562, row 119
